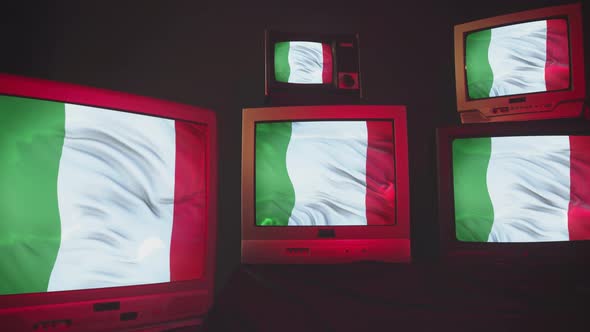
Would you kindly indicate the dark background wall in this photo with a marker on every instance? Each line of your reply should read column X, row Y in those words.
column 210, row 54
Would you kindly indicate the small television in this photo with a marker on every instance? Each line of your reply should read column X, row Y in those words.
column 522, row 66
column 511, row 192
column 308, row 68
column 325, row 184
column 107, row 209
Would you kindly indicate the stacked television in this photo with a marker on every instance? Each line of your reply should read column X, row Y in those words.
column 326, row 183
column 517, row 190
column 107, row 209
column 310, row 68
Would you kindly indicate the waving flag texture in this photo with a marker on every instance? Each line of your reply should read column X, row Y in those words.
column 95, row 198
column 325, row 173
column 522, row 189
column 303, row 62
column 519, row 58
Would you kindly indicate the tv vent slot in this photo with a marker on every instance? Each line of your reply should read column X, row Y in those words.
column 326, row 233
column 107, row 306
column 132, row 315
column 517, row 100
column 56, row 325
column 297, row 251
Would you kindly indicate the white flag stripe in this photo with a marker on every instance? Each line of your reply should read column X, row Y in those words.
column 529, row 185
column 115, row 196
column 326, row 162
column 306, row 62
column 517, row 55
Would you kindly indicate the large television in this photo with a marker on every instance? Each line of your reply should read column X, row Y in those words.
column 307, row 68
column 107, row 209
column 511, row 192
column 522, row 66
column 325, row 184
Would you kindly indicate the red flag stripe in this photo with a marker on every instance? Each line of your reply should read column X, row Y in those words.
column 557, row 66
column 380, row 197
column 579, row 207
column 327, row 64
column 187, row 247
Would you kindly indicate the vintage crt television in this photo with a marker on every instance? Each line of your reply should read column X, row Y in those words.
column 107, row 209
column 303, row 68
column 325, row 184
column 523, row 66
column 512, row 192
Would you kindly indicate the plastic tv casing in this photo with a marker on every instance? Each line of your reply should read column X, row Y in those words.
column 346, row 86
column 532, row 106
column 149, row 307
column 325, row 244
column 455, row 251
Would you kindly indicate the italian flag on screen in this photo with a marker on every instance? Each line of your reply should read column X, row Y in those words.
column 325, row 173
column 522, row 189
column 95, row 198
column 519, row 58
column 303, row 62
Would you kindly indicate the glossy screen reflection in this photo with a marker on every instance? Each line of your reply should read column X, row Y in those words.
column 314, row 173
column 517, row 59
column 303, row 62
column 522, row 188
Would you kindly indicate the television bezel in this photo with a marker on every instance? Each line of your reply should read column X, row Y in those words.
column 536, row 105
column 309, row 235
column 273, row 87
column 531, row 252
column 198, row 293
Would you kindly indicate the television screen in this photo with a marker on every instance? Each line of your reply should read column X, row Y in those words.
column 92, row 198
column 521, row 188
column 518, row 58
column 522, row 66
column 325, row 173
column 303, row 62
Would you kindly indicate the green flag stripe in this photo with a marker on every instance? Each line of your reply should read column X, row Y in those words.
column 479, row 72
column 282, row 69
column 31, row 140
column 474, row 212
column 275, row 195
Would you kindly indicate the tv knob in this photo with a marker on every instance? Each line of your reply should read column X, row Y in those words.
column 348, row 80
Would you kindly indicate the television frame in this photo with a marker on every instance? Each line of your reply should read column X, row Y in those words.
column 529, row 106
column 325, row 244
column 152, row 307
column 280, row 93
column 559, row 252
